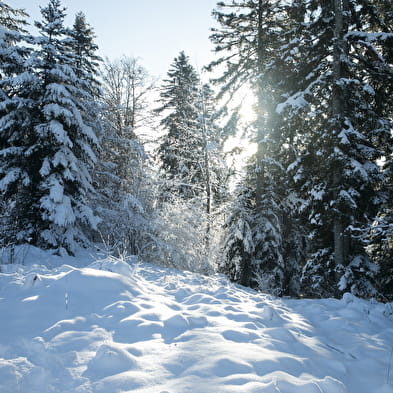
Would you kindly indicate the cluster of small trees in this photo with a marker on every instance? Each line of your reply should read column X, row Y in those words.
column 73, row 166
column 311, row 216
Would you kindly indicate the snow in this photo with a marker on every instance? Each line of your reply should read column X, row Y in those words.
column 105, row 325
column 56, row 205
column 369, row 36
column 12, row 175
column 297, row 101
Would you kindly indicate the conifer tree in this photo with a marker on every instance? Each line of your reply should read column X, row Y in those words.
column 190, row 152
column 63, row 153
column 84, row 48
column 334, row 95
column 17, row 85
column 181, row 148
column 247, row 39
column 238, row 242
column 57, row 155
column 86, row 68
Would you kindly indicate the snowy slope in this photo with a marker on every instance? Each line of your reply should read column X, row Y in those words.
column 114, row 327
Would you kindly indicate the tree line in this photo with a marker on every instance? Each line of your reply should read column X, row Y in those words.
column 312, row 214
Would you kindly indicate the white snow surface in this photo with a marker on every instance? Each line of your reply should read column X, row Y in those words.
column 111, row 326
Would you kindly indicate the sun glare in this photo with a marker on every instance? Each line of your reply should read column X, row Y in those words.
column 247, row 112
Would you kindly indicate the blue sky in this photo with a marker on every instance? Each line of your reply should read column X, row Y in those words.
column 154, row 30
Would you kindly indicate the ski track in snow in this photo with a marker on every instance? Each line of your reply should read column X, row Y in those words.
column 114, row 327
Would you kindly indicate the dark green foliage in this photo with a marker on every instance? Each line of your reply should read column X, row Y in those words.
column 324, row 125
column 17, row 85
column 190, row 151
column 247, row 39
column 48, row 154
column 181, row 149
column 238, row 244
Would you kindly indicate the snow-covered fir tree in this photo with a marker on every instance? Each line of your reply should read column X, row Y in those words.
column 181, row 148
column 238, row 243
column 253, row 244
column 17, row 84
column 84, row 48
column 337, row 169
column 251, row 31
column 12, row 29
column 193, row 169
column 58, row 154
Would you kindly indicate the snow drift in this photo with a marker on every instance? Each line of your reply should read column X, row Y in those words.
column 118, row 327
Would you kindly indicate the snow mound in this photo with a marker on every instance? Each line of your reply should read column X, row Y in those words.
column 132, row 327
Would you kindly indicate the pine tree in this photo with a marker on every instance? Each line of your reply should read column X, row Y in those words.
column 334, row 95
column 17, row 86
column 238, row 243
column 248, row 38
column 181, row 148
column 61, row 148
column 84, row 48
column 193, row 170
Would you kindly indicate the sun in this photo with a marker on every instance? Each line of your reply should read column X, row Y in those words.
column 240, row 145
column 247, row 111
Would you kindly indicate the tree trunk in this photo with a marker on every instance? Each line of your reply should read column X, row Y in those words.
column 208, row 186
column 340, row 7
column 261, row 109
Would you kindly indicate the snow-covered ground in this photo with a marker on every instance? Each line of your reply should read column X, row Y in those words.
column 117, row 327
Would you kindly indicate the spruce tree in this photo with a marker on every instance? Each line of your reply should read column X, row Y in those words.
column 337, row 67
column 238, row 243
column 61, row 150
column 66, row 140
column 84, row 48
column 86, row 68
column 248, row 38
column 17, row 90
column 181, row 148
column 193, row 171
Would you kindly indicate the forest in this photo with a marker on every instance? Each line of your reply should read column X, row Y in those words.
column 310, row 214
